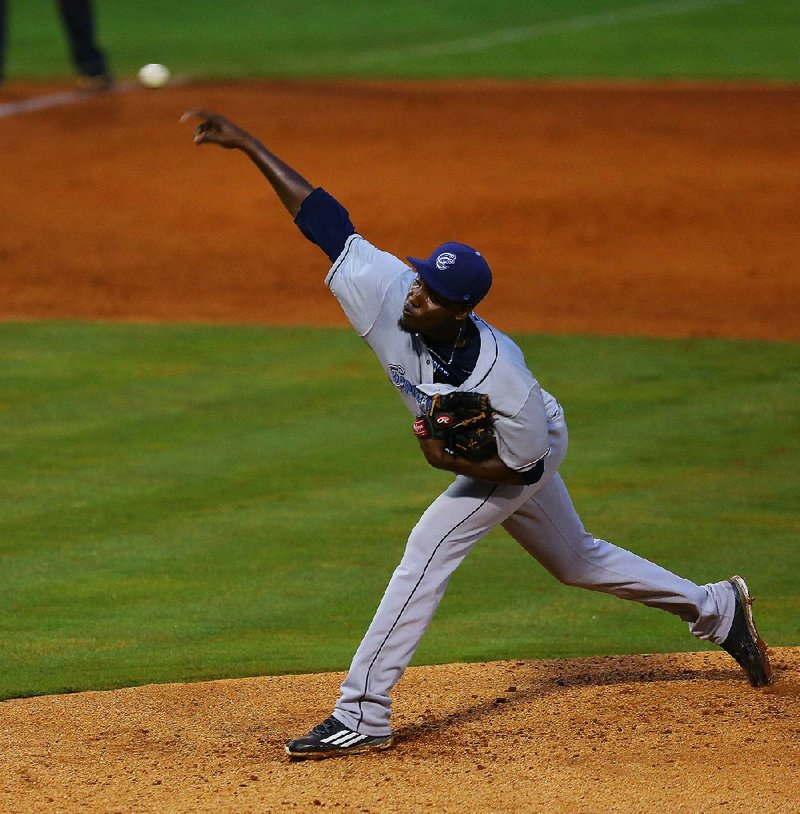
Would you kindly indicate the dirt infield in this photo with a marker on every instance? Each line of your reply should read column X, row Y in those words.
column 668, row 211
column 682, row 733
column 658, row 210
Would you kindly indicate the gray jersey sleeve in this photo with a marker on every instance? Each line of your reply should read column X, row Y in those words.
column 361, row 278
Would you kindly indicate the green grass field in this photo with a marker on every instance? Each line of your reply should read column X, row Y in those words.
column 730, row 39
column 186, row 502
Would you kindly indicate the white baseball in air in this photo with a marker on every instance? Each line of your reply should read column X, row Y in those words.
column 154, row 75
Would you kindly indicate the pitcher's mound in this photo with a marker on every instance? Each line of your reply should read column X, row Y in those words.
column 673, row 732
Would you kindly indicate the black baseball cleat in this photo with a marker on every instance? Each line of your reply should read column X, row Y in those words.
column 96, row 83
column 332, row 738
column 743, row 642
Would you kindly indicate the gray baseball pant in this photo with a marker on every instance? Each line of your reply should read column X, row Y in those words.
column 542, row 519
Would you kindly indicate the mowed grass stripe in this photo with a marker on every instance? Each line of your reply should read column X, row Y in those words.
column 524, row 39
column 190, row 502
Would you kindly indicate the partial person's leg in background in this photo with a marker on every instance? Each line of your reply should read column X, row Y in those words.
column 78, row 19
column 2, row 40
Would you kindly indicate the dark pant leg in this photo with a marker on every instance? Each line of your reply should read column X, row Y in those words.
column 2, row 38
column 78, row 19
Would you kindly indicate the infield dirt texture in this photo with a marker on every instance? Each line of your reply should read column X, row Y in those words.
column 148, row 228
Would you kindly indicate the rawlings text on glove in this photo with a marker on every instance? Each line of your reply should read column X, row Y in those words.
column 463, row 421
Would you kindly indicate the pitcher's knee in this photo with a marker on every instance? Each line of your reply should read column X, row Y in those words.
column 584, row 568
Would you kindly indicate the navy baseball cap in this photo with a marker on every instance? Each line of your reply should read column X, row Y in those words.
column 456, row 272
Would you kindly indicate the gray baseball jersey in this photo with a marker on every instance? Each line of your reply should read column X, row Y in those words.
column 371, row 286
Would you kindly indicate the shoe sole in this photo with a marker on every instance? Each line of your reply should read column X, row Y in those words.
column 747, row 606
column 325, row 753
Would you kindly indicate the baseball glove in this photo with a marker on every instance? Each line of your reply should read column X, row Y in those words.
column 463, row 421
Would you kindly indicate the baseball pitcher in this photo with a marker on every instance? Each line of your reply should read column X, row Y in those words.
column 480, row 414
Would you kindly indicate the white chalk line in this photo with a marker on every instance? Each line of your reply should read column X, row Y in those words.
column 74, row 97
column 507, row 36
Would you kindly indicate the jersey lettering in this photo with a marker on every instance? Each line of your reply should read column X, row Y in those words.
column 397, row 374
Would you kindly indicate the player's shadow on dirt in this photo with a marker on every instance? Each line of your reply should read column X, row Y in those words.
column 551, row 678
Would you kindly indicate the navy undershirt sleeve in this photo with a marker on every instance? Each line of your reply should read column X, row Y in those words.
column 325, row 222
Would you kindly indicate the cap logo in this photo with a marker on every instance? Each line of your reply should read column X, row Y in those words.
column 444, row 260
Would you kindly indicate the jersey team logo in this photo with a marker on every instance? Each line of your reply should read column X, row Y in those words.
column 397, row 374
column 444, row 260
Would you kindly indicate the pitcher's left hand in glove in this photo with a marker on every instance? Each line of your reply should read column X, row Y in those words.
column 463, row 421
